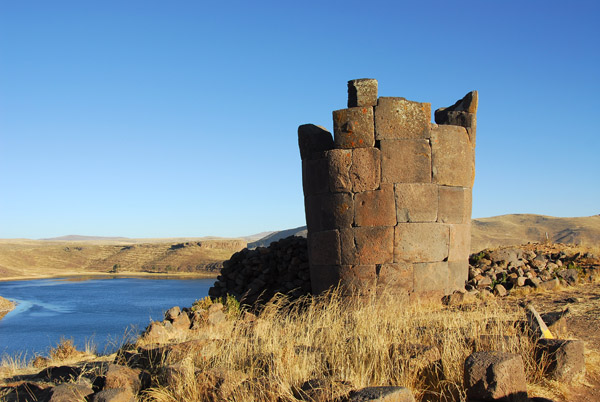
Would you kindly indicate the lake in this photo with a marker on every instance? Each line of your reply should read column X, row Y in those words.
column 103, row 311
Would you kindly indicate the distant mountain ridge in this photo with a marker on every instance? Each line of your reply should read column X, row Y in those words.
column 84, row 238
column 505, row 230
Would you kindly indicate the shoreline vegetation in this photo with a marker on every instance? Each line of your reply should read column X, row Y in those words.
column 6, row 306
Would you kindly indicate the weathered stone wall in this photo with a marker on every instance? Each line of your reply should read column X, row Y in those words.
column 388, row 198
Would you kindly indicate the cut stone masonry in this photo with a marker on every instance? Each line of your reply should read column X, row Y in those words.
column 388, row 197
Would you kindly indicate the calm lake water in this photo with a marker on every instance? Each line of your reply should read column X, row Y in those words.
column 103, row 311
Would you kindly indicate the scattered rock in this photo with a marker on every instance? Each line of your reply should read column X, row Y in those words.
column 382, row 394
column 69, row 392
column 118, row 376
column 114, row 395
column 172, row 313
column 255, row 276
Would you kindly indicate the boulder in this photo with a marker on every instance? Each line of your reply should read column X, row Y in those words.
column 69, row 392
column 114, row 395
column 118, row 376
column 565, row 358
column 491, row 376
column 172, row 313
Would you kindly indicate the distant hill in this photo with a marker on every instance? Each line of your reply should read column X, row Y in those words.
column 274, row 236
column 84, row 238
column 29, row 258
column 506, row 230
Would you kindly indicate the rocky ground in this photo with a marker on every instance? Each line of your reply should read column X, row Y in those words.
column 177, row 359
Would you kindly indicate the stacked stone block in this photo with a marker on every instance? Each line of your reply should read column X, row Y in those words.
column 388, row 197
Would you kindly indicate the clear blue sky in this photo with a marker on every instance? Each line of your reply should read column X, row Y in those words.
column 161, row 119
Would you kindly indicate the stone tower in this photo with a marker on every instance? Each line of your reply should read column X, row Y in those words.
column 388, row 198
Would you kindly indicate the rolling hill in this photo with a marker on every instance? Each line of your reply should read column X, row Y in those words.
column 507, row 230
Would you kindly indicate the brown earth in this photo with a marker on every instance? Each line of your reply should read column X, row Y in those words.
column 583, row 322
column 22, row 258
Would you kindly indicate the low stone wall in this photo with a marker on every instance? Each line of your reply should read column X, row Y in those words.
column 255, row 276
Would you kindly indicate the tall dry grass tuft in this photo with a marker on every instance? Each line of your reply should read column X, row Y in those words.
column 343, row 343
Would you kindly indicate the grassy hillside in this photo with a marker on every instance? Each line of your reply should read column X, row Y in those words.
column 507, row 230
column 21, row 257
column 514, row 229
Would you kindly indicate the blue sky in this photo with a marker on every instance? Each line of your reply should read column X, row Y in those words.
column 162, row 119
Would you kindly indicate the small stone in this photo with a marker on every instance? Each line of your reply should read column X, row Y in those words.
column 500, row 290
column 382, row 394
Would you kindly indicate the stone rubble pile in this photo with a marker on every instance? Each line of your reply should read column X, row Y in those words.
column 255, row 276
column 504, row 269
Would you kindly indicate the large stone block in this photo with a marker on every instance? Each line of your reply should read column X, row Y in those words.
column 374, row 245
column 329, row 211
column 339, row 162
column 565, row 358
column 416, row 202
column 375, row 208
column 463, row 119
column 453, row 156
column 430, row 276
column 454, row 204
column 358, row 279
column 315, row 176
column 495, row 376
column 324, row 248
column 353, row 127
column 362, row 92
column 463, row 113
column 460, row 242
column 424, row 242
column 398, row 118
column 396, row 279
column 323, row 277
column 405, row 161
column 467, row 104
column 349, row 253
column 313, row 141
column 365, row 172
column 458, row 274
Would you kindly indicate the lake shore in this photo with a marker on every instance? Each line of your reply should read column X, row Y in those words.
column 98, row 275
column 6, row 306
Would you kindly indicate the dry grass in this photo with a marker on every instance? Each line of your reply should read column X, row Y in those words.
column 343, row 344
column 21, row 258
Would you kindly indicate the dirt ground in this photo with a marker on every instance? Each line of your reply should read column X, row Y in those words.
column 583, row 322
